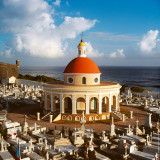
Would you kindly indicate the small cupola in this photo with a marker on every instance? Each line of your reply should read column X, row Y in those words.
column 81, row 49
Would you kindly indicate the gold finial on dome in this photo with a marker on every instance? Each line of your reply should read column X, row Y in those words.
column 81, row 43
column 81, row 48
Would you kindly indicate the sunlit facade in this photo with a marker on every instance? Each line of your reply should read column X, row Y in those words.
column 82, row 90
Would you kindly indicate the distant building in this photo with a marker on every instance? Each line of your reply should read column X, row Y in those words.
column 81, row 91
column 9, row 72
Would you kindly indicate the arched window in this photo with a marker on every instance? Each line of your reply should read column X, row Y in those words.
column 84, row 80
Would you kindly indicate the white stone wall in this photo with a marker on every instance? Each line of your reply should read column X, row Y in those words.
column 28, row 82
column 8, row 80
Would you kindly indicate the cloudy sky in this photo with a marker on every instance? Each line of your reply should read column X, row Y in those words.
column 47, row 32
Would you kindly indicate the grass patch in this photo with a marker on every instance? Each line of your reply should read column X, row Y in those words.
column 123, row 88
column 138, row 89
column 38, row 78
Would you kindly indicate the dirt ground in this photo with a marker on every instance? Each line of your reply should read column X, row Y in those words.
column 18, row 115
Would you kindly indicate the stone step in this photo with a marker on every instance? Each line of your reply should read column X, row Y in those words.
column 46, row 115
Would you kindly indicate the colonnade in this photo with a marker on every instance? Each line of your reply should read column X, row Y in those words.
column 72, row 103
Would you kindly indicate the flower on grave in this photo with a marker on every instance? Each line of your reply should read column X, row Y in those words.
column 125, row 144
column 15, row 134
column 87, row 156
column 9, row 135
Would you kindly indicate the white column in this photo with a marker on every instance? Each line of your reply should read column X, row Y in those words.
column 87, row 104
column 54, row 104
column 74, row 108
column 61, row 104
column 51, row 102
column 50, row 118
column 110, row 99
column 38, row 116
column 100, row 104
column 116, row 102
column 45, row 100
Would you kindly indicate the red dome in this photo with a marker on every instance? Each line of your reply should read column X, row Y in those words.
column 81, row 65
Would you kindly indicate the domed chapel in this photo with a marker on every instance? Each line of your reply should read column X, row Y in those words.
column 81, row 90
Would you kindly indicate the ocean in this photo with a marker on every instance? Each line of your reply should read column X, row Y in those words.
column 146, row 77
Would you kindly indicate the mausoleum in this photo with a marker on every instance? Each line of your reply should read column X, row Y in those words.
column 82, row 90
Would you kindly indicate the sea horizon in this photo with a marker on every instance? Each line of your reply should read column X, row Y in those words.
column 147, row 77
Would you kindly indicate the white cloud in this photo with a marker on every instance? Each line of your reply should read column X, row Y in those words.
column 149, row 41
column 106, row 36
column 33, row 28
column 7, row 53
column 92, row 52
column 57, row 2
column 117, row 54
column 67, row 3
column 78, row 13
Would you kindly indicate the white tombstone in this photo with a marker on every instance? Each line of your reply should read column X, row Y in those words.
column 129, row 131
column 83, row 121
column 112, row 128
column 131, row 114
column 121, row 145
column 148, row 140
column 104, row 138
column 137, row 130
column 145, row 103
column 148, row 122
column 132, row 148
column 25, row 125
column 123, row 117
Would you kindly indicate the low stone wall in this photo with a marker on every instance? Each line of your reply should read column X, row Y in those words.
column 147, row 93
column 88, row 117
column 28, row 82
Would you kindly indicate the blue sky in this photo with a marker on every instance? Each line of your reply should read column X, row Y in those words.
column 47, row 32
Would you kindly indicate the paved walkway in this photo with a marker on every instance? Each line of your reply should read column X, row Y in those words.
column 18, row 115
